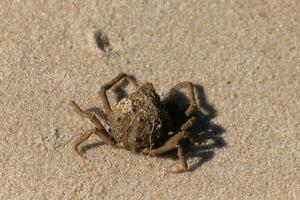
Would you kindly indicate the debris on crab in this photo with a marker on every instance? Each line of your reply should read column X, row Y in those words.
column 125, row 106
column 136, row 120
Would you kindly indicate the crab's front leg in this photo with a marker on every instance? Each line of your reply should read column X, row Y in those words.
column 110, row 84
column 175, row 143
column 99, row 130
column 84, row 136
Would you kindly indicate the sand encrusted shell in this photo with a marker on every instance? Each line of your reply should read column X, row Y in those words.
column 136, row 121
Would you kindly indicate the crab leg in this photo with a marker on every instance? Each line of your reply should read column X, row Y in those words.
column 99, row 130
column 170, row 145
column 83, row 137
column 191, row 95
column 110, row 84
column 174, row 143
column 183, row 164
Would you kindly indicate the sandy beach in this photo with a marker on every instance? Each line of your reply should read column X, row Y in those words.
column 242, row 56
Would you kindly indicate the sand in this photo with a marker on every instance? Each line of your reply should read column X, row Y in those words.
column 243, row 55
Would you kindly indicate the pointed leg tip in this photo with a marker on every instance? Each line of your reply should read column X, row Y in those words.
column 176, row 169
column 74, row 106
column 82, row 157
column 78, row 153
column 72, row 103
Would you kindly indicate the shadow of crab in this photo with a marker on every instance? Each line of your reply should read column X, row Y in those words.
column 206, row 136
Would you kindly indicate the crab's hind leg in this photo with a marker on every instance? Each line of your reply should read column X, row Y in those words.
column 191, row 96
column 175, row 143
column 110, row 84
column 99, row 130
column 182, row 167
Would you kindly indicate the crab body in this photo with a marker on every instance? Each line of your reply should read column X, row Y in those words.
column 140, row 120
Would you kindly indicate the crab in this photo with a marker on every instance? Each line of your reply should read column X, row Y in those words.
column 141, row 122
